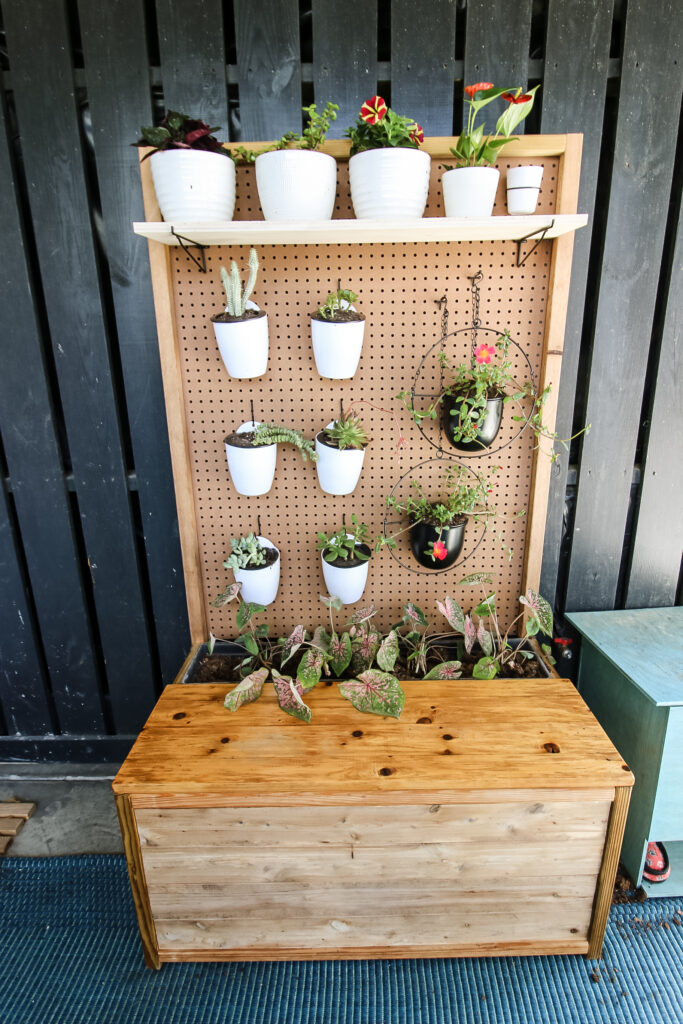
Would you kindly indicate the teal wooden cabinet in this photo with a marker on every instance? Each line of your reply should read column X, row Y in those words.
column 631, row 677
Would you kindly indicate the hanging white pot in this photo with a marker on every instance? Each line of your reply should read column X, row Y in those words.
column 470, row 191
column 251, row 469
column 388, row 184
column 338, row 471
column 346, row 582
column 260, row 583
column 523, row 184
column 337, row 346
column 243, row 344
column 192, row 185
column 296, row 184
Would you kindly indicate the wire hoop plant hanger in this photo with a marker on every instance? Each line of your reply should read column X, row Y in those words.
column 401, row 522
column 474, row 330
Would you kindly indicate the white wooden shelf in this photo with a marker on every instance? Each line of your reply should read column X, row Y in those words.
column 424, row 229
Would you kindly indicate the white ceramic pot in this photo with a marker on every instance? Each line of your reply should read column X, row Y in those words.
column 470, row 191
column 348, row 583
column 338, row 472
column 260, row 585
column 243, row 345
column 192, row 185
column 251, row 469
column 296, row 184
column 337, row 347
column 523, row 184
column 388, row 184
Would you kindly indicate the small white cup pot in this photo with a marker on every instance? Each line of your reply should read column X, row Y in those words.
column 337, row 347
column 243, row 345
column 192, row 185
column 389, row 184
column 260, row 584
column 523, row 184
column 470, row 191
column 251, row 469
column 296, row 184
column 346, row 583
column 338, row 472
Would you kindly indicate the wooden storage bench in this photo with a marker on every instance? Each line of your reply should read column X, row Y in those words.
column 488, row 820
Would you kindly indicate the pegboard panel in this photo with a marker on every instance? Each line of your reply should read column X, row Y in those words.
column 398, row 286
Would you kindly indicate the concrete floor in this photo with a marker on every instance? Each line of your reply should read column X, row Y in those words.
column 75, row 810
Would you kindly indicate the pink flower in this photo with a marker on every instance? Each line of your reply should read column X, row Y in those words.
column 417, row 135
column 484, row 353
column 373, row 110
column 439, row 550
column 479, row 87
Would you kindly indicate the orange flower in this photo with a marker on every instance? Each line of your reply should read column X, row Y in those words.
column 417, row 135
column 484, row 353
column 373, row 110
column 439, row 550
column 479, row 87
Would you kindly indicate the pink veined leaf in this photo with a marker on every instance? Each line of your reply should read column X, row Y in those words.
column 247, row 691
column 415, row 614
column 477, row 577
column 542, row 612
column 446, row 670
column 485, row 639
column 321, row 640
column 374, row 692
column 228, row 595
column 388, row 651
column 364, row 614
column 340, row 652
column 289, row 697
column 470, row 634
column 453, row 614
column 310, row 669
column 293, row 642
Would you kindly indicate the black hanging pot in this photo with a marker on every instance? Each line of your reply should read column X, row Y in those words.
column 423, row 536
column 488, row 428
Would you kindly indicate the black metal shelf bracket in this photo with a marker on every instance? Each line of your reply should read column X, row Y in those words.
column 532, row 234
column 200, row 262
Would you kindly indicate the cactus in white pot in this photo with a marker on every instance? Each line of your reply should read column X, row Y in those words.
column 242, row 330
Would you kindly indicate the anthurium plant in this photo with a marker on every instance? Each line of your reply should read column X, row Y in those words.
column 178, row 131
column 380, row 127
column 474, row 149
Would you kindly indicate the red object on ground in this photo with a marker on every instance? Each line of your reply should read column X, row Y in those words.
column 657, row 867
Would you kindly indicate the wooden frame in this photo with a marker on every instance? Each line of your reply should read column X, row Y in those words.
column 566, row 150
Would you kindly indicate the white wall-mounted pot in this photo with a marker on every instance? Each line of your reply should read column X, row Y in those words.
column 337, row 347
column 347, row 583
column 296, row 184
column 243, row 345
column 251, row 469
column 338, row 471
column 193, row 185
column 470, row 191
column 388, row 184
column 523, row 184
column 260, row 584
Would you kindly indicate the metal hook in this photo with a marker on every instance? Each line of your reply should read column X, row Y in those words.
column 199, row 263
column 253, row 419
column 258, row 523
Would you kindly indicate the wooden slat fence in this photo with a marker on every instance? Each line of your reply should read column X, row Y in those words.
column 92, row 616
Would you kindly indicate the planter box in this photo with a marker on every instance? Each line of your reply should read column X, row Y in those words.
column 251, row 836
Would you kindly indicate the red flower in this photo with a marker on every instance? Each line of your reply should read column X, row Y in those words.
column 439, row 550
column 563, row 641
column 484, row 353
column 373, row 110
column 511, row 98
column 417, row 135
column 479, row 87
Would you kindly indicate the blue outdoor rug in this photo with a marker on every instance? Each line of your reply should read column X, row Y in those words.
column 70, row 954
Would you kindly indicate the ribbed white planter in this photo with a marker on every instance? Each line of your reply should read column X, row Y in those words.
column 260, row 585
column 523, row 184
column 338, row 472
column 251, row 469
column 337, row 347
column 348, row 583
column 389, row 184
column 243, row 345
column 470, row 191
column 296, row 184
column 192, row 185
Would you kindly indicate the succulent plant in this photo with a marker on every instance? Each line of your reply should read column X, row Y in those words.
column 232, row 283
column 348, row 432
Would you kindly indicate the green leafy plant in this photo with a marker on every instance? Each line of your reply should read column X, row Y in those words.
column 246, row 551
column 336, row 302
column 348, row 432
column 474, row 149
column 312, row 137
column 380, row 127
column 237, row 298
column 267, row 433
column 345, row 543
column 178, row 131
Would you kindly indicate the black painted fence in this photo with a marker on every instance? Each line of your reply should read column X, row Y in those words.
column 92, row 613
